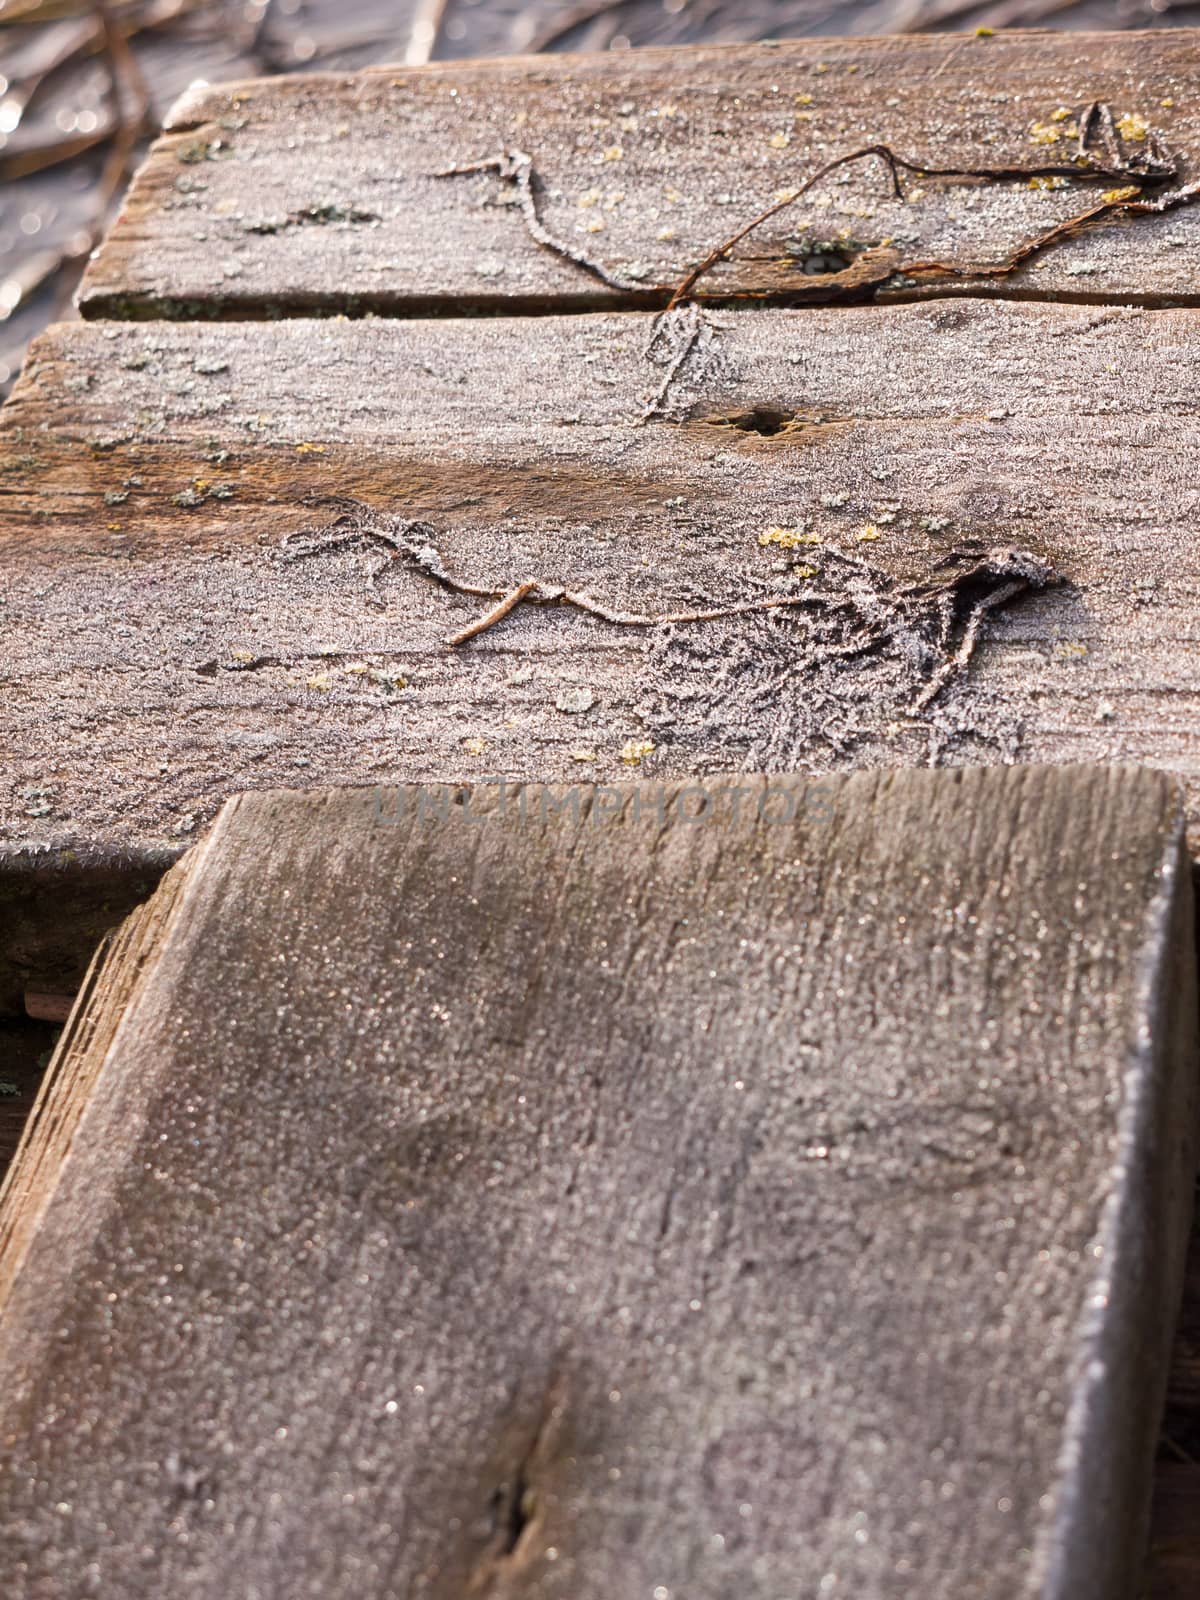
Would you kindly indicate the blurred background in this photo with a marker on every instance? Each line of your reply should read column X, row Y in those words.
column 84, row 83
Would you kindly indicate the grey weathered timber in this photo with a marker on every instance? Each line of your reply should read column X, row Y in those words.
column 290, row 195
column 575, row 1199
column 190, row 612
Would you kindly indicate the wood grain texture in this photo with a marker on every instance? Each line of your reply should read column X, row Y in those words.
column 570, row 1199
column 163, row 651
column 303, row 194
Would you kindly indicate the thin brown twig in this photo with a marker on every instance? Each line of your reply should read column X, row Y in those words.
column 1152, row 166
column 1134, row 203
column 124, row 71
column 685, row 287
column 481, row 624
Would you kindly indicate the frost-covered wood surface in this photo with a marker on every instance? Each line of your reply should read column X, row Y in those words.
column 191, row 611
column 581, row 1199
column 289, row 195
column 233, row 556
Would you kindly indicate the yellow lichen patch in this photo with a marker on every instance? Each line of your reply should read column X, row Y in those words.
column 633, row 753
column 356, row 668
column 474, row 747
column 779, row 141
column 320, row 680
column 985, row 33
column 804, row 116
column 596, row 225
column 1067, row 651
column 788, row 538
column 1044, row 133
column 867, row 532
column 782, row 196
column 1166, row 104
column 804, row 99
column 1061, row 115
column 915, row 194
column 804, row 572
column 614, row 200
column 590, row 197
column 1113, row 197
column 613, row 153
column 1054, row 181
column 307, row 449
column 665, row 235
column 583, row 755
column 1133, row 126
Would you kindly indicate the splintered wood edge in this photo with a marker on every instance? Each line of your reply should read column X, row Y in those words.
column 1121, row 1381
column 115, row 978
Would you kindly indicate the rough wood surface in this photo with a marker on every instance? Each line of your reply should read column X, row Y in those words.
column 888, row 1106
column 168, row 641
column 285, row 196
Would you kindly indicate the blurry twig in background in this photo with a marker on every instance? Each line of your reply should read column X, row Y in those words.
column 423, row 39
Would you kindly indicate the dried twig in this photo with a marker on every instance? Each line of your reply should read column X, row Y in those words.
column 481, row 624
column 681, row 331
column 424, row 34
column 685, row 287
column 516, row 168
column 1132, row 203
column 413, row 542
column 577, row 17
column 1151, row 165
column 989, row 582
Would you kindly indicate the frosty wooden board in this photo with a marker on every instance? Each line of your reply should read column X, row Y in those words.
column 190, row 612
column 290, row 195
column 575, row 1198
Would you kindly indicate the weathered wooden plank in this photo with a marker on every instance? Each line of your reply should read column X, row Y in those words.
column 164, row 649
column 294, row 195
column 574, row 1198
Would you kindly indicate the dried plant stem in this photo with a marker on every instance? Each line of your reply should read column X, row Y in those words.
column 515, row 167
column 993, row 580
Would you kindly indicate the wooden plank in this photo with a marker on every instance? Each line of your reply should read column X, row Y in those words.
column 302, row 194
column 164, row 649
column 820, row 1183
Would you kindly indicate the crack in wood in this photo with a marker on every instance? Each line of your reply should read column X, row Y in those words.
column 1100, row 153
column 517, row 1503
